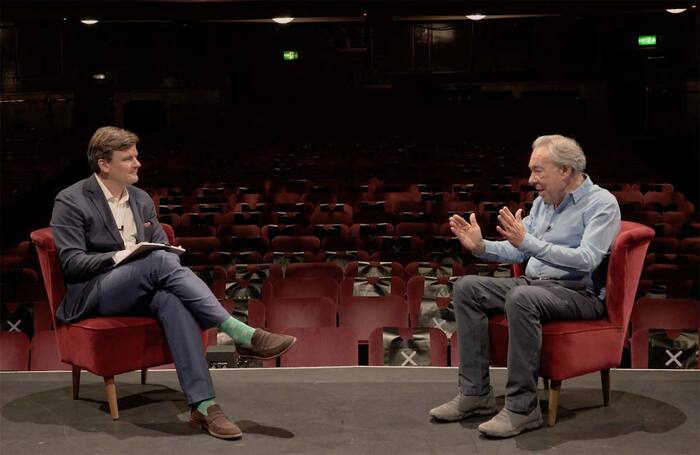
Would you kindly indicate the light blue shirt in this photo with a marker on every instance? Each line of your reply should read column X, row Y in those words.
column 568, row 242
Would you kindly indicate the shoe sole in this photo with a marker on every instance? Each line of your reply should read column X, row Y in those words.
column 475, row 412
column 253, row 356
column 530, row 426
column 203, row 426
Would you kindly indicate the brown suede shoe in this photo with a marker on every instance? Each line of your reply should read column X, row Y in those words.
column 216, row 423
column 266, row 345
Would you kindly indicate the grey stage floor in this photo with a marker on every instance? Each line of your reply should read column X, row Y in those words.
column 360, row 410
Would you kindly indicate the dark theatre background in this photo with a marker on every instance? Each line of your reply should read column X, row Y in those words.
column 401, row 111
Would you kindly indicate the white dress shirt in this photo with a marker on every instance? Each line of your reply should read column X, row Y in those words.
column 123, row 217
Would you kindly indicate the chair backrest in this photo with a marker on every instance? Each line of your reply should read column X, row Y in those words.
column 625, row 269
column 50, row 268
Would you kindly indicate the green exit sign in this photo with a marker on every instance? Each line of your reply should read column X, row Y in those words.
column 646, row 40
column 290, row 55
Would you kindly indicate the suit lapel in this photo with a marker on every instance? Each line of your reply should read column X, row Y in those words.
column 138, row 218
column 97, row 198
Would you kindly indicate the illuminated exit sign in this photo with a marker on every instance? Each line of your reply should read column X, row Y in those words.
column 290, row 55
column 646, row 40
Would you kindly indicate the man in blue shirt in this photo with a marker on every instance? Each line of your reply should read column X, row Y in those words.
column 565, row 238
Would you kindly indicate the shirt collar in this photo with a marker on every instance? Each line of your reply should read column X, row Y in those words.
column 582, row 189
column 108, row 195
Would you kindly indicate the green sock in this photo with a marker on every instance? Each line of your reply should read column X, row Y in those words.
column 202, row 406
column 241, row 333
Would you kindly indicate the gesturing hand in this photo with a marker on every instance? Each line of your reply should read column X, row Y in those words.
column 511, row 227
column 468, row 232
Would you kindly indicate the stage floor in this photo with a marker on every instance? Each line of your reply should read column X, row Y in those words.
column 357, row 410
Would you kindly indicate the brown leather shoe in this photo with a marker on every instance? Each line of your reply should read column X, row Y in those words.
column 266, row 345
column 216, row 423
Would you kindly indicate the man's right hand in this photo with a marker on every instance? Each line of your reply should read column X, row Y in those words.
column 468, row 233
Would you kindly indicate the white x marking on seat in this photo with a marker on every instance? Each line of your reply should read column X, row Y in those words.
column 674, row 358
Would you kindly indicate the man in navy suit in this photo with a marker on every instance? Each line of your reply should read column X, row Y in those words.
column 96, row 223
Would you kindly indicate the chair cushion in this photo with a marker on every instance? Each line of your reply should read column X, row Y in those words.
column 107, row 346
column 569, row 348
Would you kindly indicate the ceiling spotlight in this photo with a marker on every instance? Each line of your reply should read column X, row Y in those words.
column 99, row 76
column 676, row 10
column 283, row 20
column 476, row 17
column 89, row 21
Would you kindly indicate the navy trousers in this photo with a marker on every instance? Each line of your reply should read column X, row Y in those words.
column 157, row 284
column 527, row 304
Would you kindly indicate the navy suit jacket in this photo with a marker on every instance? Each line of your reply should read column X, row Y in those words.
column 87, row 237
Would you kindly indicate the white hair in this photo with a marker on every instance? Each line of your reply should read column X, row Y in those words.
column 563, row 150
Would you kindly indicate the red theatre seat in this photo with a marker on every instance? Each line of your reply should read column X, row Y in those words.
column 14, row 351
column 574, row 348
column 321, row 346
column 105, row 346
column 672, row 315
column 437, row 347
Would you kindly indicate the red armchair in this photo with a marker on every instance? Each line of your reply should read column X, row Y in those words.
column 574, row 348
column 105, row 346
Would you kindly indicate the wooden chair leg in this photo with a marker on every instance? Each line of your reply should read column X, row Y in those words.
column 605, row 382
column 76, row 382
column 554, row 390
column 144, row 375
column 111, row 389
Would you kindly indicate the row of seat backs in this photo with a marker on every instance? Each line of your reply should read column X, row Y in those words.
column 17, row 353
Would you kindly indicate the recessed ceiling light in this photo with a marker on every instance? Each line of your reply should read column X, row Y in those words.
column 476, row 17
column 99, row 76
column 283, row 20
column 676, row 10
column 89, row 21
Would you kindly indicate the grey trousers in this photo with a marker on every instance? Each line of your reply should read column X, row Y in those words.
column 527, row 304
column 158, row 285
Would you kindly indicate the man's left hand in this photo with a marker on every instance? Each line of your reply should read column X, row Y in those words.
column 511, row 226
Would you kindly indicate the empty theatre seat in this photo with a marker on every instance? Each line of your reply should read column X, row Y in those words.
column 44, row 352
column 422, row 230
column 197, row 249
column 374, row 268
column 321, row 346
column 646, row 217
column 14, row 351
column 370, row 302
column 284, row 258
column 364, row 314
column 691, row 246
column 403, row 249
column 314, row 270
column 392, row 346
column 332, row 213
column 298, row 287
column 285, row 243
column 433, row 269
column 671, row 315
column 245, row 237
column 270, row 231
column 300, row 312
column 342, row 257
